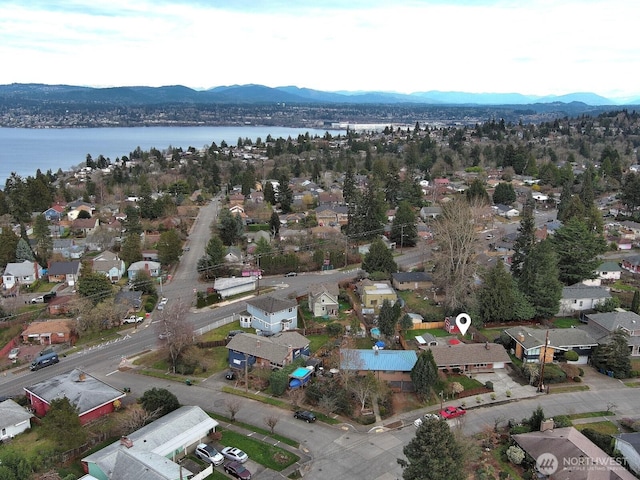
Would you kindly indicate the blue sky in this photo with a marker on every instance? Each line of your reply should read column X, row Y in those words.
column 537, row 47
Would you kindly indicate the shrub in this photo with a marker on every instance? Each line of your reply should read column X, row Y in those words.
column 634, row 373
column 515, row 454
column 334, row 329
column 577, row 379
column 571, row 356
column 561, row 421
column 478, row 399
column 580, row 372
column 508, row 393
column 489, row 385
column 493, row 396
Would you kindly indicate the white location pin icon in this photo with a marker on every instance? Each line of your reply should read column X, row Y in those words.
column 463, row 322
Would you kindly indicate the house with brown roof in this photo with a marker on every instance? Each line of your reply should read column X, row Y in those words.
column 470, row 357
column 85, row 226
column 48, row 332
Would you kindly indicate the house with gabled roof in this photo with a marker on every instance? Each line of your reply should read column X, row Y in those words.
column 580, row 297
column 110, row 265
column 271, row 314
column 20, row 273
column 411, row 280
column 85, row 226
column 470, row 357
column 323, row 300
column 61, row 272
column 92, row 398
column 151, row 268
column 274, row 351
column 628, row 444
column 632, row 264
column 48, row 332
column 533, row 345
column 601, row 325
column 54, row 213
column 14, row 419
column 152, row 452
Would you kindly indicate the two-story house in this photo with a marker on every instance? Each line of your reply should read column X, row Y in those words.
column 110, row 265
column 601, row 325
column 22, row 273
column 61, row 272
column 275, row 351
column 323, row 300
column 271, row 314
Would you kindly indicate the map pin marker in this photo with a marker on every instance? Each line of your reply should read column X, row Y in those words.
column 463, row 322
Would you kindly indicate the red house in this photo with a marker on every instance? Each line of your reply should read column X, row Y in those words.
column 91, row 397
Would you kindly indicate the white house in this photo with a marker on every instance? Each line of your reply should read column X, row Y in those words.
column 580, row 297
column 14, row 419
column 607, row 272
column 23, row 273
column 110, row 265
column 271, row 315
column 323, row 300
column 227, row 287
column 152, row 268
column 628, row 444
column 505, row 211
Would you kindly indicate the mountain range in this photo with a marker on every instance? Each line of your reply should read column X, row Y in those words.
column 260, row 94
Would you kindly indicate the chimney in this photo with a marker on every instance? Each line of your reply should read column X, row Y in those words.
column 546, row 425
column 486, row 345
column 82, row 377
column 521, row 337
column 126, row 441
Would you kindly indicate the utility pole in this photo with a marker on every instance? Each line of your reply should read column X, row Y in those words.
column 544, row 358
column 346, row 251
column 401, row 237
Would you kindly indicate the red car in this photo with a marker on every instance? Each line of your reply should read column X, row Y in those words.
column 452, row 412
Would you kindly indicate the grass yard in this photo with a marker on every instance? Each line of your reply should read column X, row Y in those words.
column 466, row 382
column 221, row 333
column 601, row 413
column 565, row 322
column 567, row 389
column 270, row 456
column 491, row 333
column 605, row 427
column 415, row 302
column 436, row 332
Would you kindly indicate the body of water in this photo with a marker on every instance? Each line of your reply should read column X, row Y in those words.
column 24, row 150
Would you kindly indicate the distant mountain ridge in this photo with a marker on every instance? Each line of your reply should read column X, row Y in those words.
column 260, row 94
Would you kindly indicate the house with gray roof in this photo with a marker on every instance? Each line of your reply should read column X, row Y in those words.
column 529, row 343
column 581, row 297
column 64, row 272
column 323, row 300
column 275, row 351
column 14, row 419
column 411, row 280
column 91, row 397
column 21, row 273
column 392, row 366
column 271, row 314
column 150, row 267
column 110, row 265
column 601, row 325
column 632, row 264
column 152, row 452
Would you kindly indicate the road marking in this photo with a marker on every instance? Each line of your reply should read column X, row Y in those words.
column 111, row 373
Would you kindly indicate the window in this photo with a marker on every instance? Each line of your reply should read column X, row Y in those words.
column 580, row 302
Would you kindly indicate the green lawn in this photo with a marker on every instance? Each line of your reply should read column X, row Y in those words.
column 601, row 413
column 436, row 332
column 267, row 455
column 466, row 382
column 565, row 322
column 491, row 333
column 606, row 427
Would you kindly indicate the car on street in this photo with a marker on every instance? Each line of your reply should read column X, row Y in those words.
column 13, row 354
column 234, row 454
column 452, row 412
column 163, row 301
column 132, row 319
column 291, row 274
column 305, row 415
column 209, row 454
column 419, row 421
column 236, row 469
column 164, row 335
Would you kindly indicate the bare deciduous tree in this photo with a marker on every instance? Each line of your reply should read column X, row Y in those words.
column 177, row 331
column 327, row 403
column 136, row 418
column 457, row 240
column 271, row 421
column 364, row 388
column 233, row 406
column 350, row 362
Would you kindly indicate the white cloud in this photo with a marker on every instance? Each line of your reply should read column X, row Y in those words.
column 538, row 47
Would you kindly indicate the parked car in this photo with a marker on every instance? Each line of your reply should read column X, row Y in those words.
column 418, row 421
column 164, row 335
column 234, row 454
column 452, row 412
column 291, row 274
column 209, row 454
column 230, row 375
column 132, row 319
column 236, row 469
column 163, row 301
column 13, row 354
column 38, row 299
column 305, row 415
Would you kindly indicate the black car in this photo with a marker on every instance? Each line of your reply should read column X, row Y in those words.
column 236, row 469
column 305, row 415
column 230, row 375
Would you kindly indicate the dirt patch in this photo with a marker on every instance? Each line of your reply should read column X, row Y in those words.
column 405, row 402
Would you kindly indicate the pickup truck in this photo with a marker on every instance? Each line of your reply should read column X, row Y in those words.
column 132, row 319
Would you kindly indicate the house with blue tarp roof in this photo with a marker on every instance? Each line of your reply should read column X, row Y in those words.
column 392, row 366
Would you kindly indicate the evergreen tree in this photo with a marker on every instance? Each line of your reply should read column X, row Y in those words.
column 285, row 195
column 577, row 249
column 62, row 424
column 587, row 194
column 169, row 247
column 477, row 193
column 269, row 193
column 504, row 194
column 424, row 375
column 131, row 249
column 434, row 453
column 392, row 184
column 160, row 401
column 274, row 225
column 525, row 240
column 499, row 299
column 379, row 259
column 614, row 355
column 387, row 319
column 229, row 228
column 8, row 245
column 94, row 286
column 404, row 230
column 635, row 303
column 214, row 252
column 131, row 223
column 23, row 251
column 565, row 199
column 370, row 213
column 539, row 280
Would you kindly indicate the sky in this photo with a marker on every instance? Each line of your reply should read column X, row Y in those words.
column 534, row 47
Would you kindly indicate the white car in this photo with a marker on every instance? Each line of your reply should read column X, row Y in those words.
column 419, row 421
column 209, row 454
column 235, row 454
column 13, row 354
column 132, row 319
column 163, row 301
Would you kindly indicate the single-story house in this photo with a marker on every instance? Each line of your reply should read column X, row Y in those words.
column 20, row 273
column 580, row 297
column 631, row 264
column 430, row 212
column 14, row 419
column 567, row 449
column 505, row 211
column 61, row 272
column 151, row 268
column 323, row 300
column 91, row 397
column 601, row 325
column 233, row 255
column 411, row 280
column 227, row 287
column 85, row 226
column 271, row 314
column 607, row 272
column 275, row 351
column 530, row 343
column 155, row 448
column 110, row 265
column 48, row 332
column 393, row 366
column 628, row 444
column 470, row 357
